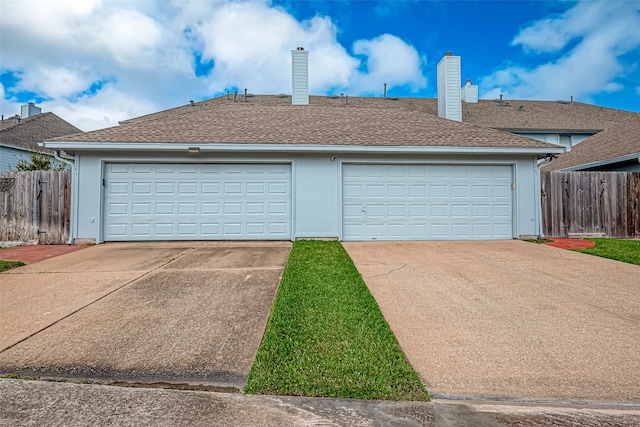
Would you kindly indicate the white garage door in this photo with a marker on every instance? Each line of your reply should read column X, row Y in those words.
column 197, row 201
column 421, row 202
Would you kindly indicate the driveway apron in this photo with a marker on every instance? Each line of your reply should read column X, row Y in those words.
column 183, row 312
column 510, row 319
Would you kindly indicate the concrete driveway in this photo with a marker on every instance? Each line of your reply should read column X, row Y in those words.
column 510, row 319
column 184, row 312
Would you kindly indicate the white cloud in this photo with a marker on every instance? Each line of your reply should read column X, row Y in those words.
column 101, row 110
column 250, row 44
column 96, row 62
column 55, row 81
column 592, row 42
column 388, row 60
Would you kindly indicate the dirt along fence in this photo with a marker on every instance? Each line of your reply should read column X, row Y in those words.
column 35, row 207
column 575, row 204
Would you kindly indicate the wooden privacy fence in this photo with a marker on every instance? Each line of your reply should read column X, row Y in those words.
column 591, row 203
column 35, row 206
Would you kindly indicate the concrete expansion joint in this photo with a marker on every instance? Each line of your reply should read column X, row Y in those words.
column 514, row 401
column 221, row 269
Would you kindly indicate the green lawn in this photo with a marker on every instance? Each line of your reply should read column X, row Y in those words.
column 5, row 265
column 327, row 337
column 621, row 250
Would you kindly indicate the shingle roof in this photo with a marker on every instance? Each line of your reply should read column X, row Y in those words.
column 31, row 130
column 252, row 123
column 566, row 116
column 617, row 141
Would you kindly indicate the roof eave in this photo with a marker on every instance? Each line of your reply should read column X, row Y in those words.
column 613, row 160
column 71, row 147
column 551, row 130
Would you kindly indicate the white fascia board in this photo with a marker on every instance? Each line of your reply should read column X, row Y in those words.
column 14, row 147
column 294, row 148
column 635, row 156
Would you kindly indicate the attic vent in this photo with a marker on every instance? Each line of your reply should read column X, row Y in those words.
column 393, row 98
column 334, row 97
column 250, row 95
column 281, row 95
column 561, row 101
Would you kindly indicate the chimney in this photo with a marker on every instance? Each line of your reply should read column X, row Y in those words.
column 300, row 76
column 469, row 92
column 29, row 110
column 449, row 101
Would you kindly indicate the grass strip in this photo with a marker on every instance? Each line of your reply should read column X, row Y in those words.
column 327, row 337
column 5, row 265
column 618, row 249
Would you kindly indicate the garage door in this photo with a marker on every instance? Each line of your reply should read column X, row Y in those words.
column 419, row 202
column 197, row 201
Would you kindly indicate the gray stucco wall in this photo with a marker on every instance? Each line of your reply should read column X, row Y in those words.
column 316, row 186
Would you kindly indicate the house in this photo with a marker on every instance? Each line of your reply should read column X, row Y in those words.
column 20, row 134
column 615, row 149
column 287, row 168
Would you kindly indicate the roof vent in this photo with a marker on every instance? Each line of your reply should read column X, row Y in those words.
column 300, row 76
column 282, row 95
column 193, row 104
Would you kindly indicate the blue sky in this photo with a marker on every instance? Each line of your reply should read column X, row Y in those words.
column 96, row 62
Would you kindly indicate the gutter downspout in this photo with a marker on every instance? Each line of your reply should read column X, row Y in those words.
column 74, row 190
column 549, row 159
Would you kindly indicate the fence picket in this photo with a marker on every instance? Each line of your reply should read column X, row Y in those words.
column 591, row 202
column 35, row 200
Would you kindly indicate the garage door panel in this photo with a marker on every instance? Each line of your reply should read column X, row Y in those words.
column 164, row 208
column 143, row 229
column 278, row 208
column 438, row 191
column 501, row 211
column 164, row 229
column 197, row 201
column 460, row 231
column 142, row 169
column 405, row 202
column 140, row 208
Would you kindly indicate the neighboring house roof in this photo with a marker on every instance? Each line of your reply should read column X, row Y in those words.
column 540, row 116
column 346, row 125
column 28, row 132
column 616, row 144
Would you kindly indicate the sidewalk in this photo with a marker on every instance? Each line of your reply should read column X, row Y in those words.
column 51, row 403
